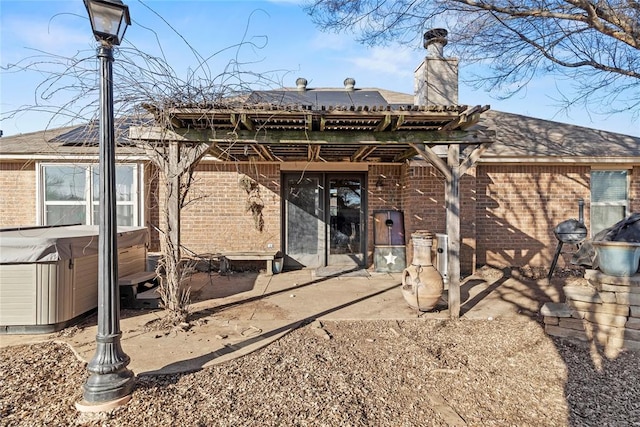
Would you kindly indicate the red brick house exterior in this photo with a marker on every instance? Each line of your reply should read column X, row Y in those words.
column 528, row 181
column 509, row 205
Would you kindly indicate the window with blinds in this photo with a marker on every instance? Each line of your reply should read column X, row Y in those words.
column 609, row 198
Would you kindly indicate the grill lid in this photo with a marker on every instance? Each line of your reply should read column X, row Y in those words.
column 570, row 231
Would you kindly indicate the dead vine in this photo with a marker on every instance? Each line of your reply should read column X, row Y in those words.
column 254, row 204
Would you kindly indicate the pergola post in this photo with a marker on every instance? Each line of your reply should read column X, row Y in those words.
column 452, row 204
column 452, row 172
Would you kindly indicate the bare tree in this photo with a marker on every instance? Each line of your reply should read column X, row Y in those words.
column 595, row 44
column 144, row 85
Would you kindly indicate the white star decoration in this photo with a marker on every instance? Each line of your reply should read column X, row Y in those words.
column 391, row 258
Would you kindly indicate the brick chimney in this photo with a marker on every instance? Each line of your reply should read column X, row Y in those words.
column 436, row 79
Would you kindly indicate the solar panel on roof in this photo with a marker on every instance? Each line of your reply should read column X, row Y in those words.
column 317, row 99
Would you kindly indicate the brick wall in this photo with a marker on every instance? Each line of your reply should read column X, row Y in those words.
column 634, row 190
column 216, row 217
column 512, row 209
column 468, row 221
column 152, row 204
column 388, row 197
column 519, row 205
column 424, row 201
column 17, row 194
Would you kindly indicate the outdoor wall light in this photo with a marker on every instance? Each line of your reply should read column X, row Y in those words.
column 379, row 183
column 110, row 383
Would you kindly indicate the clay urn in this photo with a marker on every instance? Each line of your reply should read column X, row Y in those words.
column 422, row 284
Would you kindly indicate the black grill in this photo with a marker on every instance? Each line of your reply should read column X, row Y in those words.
column 572, row 231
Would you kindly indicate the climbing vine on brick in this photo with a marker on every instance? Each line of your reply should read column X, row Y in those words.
column 254, row 204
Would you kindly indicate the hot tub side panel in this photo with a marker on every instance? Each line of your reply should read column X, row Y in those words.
column 131, row 260
column 17, row 294
column 34, row 294
column 47, row 297
column 85, row 284
column 85, row 275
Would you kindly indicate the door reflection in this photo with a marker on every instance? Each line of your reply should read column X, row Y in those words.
column 344, row 210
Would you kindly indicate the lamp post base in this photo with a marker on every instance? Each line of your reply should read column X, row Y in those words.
column 110, row 380
column 84, row 406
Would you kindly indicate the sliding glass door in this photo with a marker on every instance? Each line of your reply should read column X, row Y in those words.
column 324, row 219
column 346, row 219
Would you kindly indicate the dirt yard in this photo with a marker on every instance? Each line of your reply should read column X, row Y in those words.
column 366, row 373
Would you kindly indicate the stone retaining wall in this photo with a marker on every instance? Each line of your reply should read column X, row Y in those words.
column 606, row 311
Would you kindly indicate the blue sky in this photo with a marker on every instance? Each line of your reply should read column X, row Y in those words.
column 290, row 47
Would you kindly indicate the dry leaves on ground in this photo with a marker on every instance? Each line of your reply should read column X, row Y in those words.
column 366, row 373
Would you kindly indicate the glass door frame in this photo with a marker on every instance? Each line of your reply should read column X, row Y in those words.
column 324, row 182
column 355, row 258
column 304, row 259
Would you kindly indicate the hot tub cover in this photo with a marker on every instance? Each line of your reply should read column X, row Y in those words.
column 51, row 244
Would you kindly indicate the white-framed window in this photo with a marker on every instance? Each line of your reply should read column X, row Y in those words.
column 609, row 198
column 69, row 194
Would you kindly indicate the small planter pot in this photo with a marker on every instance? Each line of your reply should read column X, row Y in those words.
column 618, row 258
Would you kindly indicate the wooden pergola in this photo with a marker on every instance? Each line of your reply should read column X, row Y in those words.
column 364, row 134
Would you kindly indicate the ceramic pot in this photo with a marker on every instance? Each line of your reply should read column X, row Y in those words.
column 422, row 284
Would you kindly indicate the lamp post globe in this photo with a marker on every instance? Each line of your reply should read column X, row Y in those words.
column 109, row 20
column 110, row 383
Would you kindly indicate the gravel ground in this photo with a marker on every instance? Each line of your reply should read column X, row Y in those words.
column 374, row 373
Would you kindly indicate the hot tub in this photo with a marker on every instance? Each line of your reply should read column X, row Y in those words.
column 49, row 275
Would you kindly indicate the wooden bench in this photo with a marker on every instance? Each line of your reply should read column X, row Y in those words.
column 269, row 257
column 129, row 295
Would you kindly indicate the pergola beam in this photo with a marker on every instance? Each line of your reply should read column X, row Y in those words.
column 246, row 121
column 311, row 137
column 384, row 123
column 398, row 123
column 309, row 121
column 473, row 157
column 428, row 154
column 263, row 152
column 407, row 154
column 466, row 119
column 452, row 205
column 362, row 153
column 452, row 169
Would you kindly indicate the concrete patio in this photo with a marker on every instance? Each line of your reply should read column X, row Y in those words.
column 235, row 314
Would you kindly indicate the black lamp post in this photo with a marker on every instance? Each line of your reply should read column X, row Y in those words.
column 110, row 383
